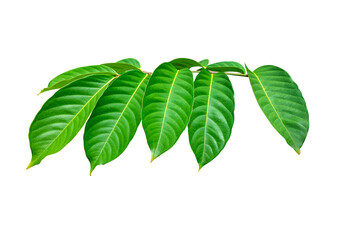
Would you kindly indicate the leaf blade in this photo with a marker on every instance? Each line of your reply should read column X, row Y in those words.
column 131, row 61
column 63, row 115
column 77, row 73
column 226, row 66
column 204, row 63
column 212, row 119
column 120, row 68
column 282, row 103
column 167, row 107
column 115, row 118
column 181, row 63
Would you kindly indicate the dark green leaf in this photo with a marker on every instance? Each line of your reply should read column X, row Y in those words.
column 120, row 68
column 115, row 118
column 204, row 63
column 212, row 118
column 131, row 61
column 181, row 63
column 227, row 66
column 282, row 103
column 167, row 106
column 63, row 115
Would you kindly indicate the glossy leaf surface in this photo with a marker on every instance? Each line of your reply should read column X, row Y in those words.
column 63, row 115
column 212, row 118
column 76, row 74
column 131, row 61
column 282, row 103
column 115, row 118
column 167, row 106
column 181, row 63
column 227, row 66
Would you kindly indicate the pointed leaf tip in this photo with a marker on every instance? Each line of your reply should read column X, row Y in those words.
column 298, row 151
column 152, row 158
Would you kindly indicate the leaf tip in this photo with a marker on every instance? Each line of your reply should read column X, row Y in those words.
column 200, row 167
column 42, row 90
column 31, row 164
column 298, row 151
column 92, row 167
column 152, row 158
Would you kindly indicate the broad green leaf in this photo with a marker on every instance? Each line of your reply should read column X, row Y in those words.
column 63, row 115
column 120, row 67
column 228, row 66
column 282, row 103
column 204, row 63
column 167, row 106
column 131, row 61
column 115, row 118
column 76, row 74
column 212, row 118
column 181, row 63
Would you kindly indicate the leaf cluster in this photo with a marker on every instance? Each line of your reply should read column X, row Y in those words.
column 112, row 99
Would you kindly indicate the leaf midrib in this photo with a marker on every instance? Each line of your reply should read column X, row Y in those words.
column 116, row 123
column 206, row 123
column 85, row 105
column 274, row 108
column 165, row 113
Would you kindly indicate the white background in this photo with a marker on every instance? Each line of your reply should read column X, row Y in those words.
column 257, row 188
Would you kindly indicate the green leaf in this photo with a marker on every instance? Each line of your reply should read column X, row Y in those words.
column 63, row 115
column 76, row 74
column 181, row 63
column 212, row 118
column 167, row 106
column 120, row 67
column 228, row 66
column 204, row 63
column 115, row 118
column 131, row 61
column 282, row 103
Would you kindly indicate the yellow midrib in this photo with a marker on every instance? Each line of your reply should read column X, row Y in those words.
column 278, row 116
column 165, row 113
column 206, row 123
column 87, row 103
column 121, row 115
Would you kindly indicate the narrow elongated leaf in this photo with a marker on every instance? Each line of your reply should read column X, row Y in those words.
column 167, row 106
column 181, row 63
column 120, row 67
column 63, row 115
column 76, row 74
column 204, row 63
column 228, row 66
column 212, row 118
column 115, row 118
column 282, row 103
column 131, row 61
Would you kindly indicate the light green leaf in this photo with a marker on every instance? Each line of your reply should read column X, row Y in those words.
column 212, row 118
column 227, row 66
column 181, row 63
column 120, row 67
column 204, row 63
column 115, row 118
column 63, row 115
column 167, row 106
column 76, row 74
column 131, row 61
column 282, row 103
